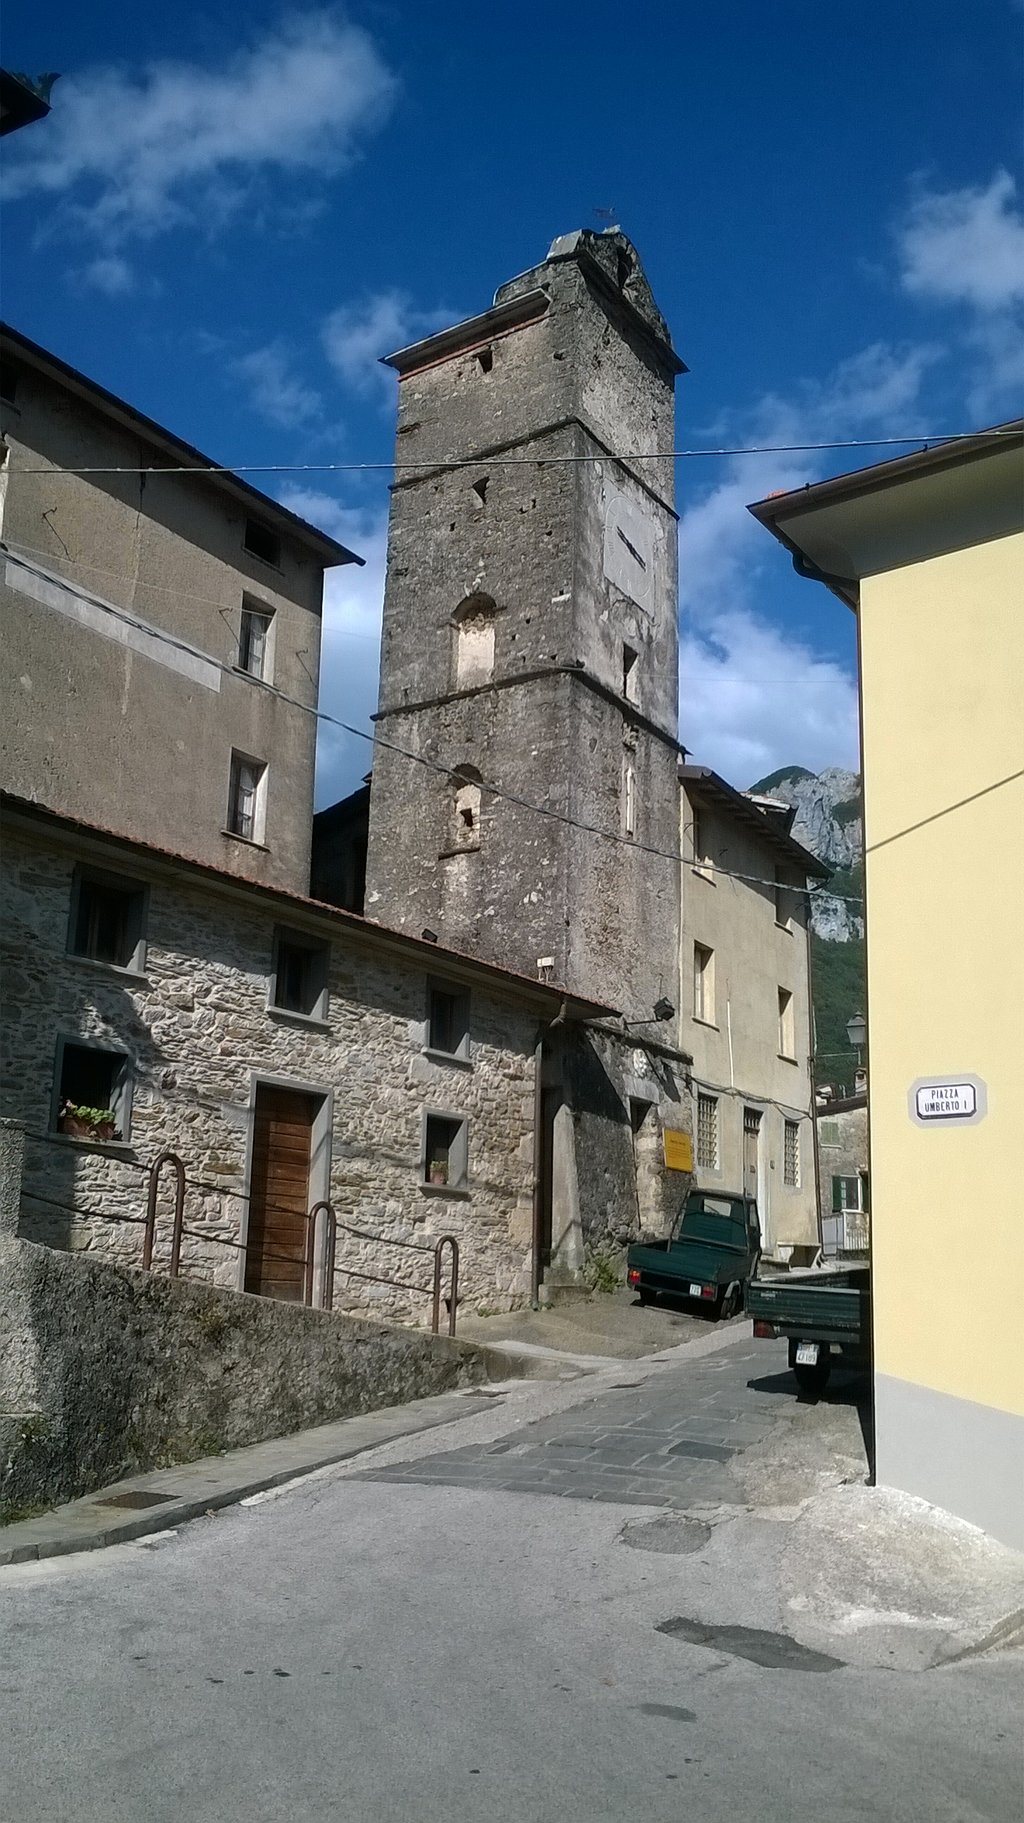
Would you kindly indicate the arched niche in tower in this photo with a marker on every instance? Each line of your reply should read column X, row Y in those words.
column 465, row 788
column 473, row 656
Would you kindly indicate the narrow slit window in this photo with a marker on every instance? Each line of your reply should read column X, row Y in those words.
column 704, row 983
column 787, row 1035
column 246, row 798
column 782, row 911
column 485, row 359
column 629, row 673
column 254, row 642
column 629, row 802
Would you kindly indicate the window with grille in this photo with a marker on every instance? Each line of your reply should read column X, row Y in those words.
column 791, row 1154
column 707, row 1132
column 704, row 983
column 246, row 797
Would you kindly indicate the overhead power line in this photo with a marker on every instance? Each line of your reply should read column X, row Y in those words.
column 444, row 769
column 927, row 439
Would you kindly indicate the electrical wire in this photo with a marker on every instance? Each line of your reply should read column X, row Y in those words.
column 927, row 439
column 444, row 770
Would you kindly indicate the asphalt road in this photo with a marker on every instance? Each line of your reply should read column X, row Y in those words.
column 422, row 1635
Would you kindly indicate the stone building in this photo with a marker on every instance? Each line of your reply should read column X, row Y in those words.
column 744, row 987
column 161, row 630
column 530, row 645
column 843, row 1167
column 286, row 1052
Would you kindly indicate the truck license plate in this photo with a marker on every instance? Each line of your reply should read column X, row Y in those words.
column 695, row 1290
column 807, row 1354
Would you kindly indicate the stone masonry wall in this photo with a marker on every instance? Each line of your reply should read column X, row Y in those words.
column 196, row 1027
column 106, row 1371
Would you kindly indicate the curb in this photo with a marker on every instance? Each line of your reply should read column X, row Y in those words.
column 91, row 1523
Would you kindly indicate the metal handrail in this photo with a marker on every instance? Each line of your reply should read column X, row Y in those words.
column 446, row 1240
column 162, row 1159
column 330, row 1244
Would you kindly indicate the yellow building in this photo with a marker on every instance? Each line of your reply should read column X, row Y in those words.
column 928, row 550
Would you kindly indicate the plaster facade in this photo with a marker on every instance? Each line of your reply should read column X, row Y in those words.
column 929, row 550
column 843, row 1163
column 744, row 922
column 107, row 720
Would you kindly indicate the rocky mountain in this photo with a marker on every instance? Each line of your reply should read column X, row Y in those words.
column 828, row 822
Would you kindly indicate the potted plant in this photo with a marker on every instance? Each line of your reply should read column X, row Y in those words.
column 437, row 1171
column 80, row 1122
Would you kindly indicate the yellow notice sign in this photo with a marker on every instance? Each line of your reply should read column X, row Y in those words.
column 678, row 1149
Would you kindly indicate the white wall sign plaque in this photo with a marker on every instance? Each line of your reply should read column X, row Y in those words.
column 948, row 1100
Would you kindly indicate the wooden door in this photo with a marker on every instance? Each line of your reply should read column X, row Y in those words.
column 279, row 1192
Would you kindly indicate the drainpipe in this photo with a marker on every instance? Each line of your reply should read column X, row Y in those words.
column 538, row 1119
column 812, row 1059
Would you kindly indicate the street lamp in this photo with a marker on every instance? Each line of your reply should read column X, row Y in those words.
column 857, row 1034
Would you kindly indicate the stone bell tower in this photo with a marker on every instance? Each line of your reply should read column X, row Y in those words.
column 529, row 639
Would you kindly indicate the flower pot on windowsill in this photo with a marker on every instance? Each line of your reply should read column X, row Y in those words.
column 87, row 1123
column 437, row 1174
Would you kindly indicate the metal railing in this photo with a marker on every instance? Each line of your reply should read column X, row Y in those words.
column 322, row 1213
column 447, row 1240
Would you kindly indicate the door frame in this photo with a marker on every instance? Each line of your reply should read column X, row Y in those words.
column 319, row 1161
column 762, row 1187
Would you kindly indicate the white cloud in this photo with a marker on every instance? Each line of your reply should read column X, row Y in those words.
column 110, row 274
column 965, row 246
column 274, row 390
column 350, row 657
column 965, row 249
column 356, row 335
column 139, row 152
column 752, row 697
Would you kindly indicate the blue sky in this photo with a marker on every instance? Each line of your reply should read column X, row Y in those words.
column 230, row 213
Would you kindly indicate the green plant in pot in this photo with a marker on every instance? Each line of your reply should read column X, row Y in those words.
column 80, row 1122
column 437, row 1171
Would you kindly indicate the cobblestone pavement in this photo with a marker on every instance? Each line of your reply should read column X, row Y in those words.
column 665, row 1441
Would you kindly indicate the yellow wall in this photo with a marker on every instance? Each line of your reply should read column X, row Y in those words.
column 942, row 672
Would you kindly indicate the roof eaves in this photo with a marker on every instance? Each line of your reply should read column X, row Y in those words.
column 704, row 781
column 325, row 547
column 426, row 952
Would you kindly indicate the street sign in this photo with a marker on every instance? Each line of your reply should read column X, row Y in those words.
column 942, row 1100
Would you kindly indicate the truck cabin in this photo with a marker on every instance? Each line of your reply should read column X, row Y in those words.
column 719, row 1220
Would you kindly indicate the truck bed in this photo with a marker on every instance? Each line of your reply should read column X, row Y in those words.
column 823, row 1306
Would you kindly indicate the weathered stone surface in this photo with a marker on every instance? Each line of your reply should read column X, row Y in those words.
column 106, row 1371
column 194, row 1089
